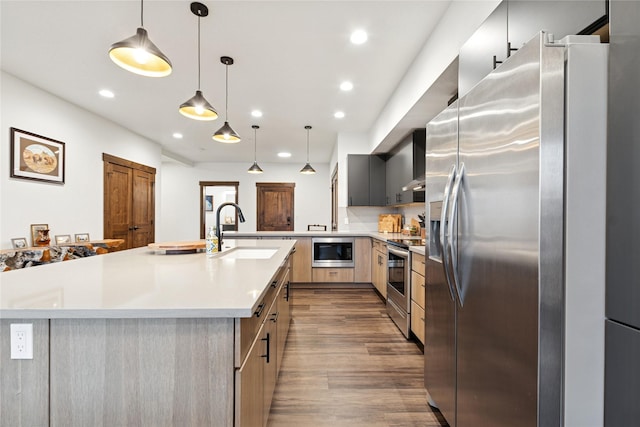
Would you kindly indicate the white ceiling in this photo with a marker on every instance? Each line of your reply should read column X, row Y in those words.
column 290, row 57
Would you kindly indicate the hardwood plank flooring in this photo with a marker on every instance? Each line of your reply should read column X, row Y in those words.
column 347, row 364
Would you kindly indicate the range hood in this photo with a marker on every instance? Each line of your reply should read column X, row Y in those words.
column 415, row 185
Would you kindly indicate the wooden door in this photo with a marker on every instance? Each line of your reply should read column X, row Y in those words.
column 275, row 206
column 129, row 202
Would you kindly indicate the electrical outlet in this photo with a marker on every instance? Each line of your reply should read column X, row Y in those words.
column 22, row 341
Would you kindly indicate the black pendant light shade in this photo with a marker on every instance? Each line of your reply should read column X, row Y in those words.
column 197, row 107
column 226, row 133
column 139, row 55
column 307, row 169
column 255, row 168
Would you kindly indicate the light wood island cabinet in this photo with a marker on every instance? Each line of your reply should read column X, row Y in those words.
column 184, row 347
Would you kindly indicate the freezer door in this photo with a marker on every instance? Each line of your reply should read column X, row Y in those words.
column 622, row 376
column 497, row 246
column 439, row 349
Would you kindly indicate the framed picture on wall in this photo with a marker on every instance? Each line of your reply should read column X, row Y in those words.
column 208, row 203
column 36, row 157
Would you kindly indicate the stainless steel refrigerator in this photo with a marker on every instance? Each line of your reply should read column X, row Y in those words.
column 622, row 395
column 515, row 194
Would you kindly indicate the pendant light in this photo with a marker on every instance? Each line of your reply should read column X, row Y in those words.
column 197, row 107
column 226, row 134
column 139, row 55
column 307, row 169
column 255, row 168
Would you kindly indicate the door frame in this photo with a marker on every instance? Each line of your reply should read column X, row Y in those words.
column 334, row 199
column 203, row 186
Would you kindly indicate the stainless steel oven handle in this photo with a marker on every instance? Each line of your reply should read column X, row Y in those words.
column 453, row 240
column 443, row 230
column 398, row 252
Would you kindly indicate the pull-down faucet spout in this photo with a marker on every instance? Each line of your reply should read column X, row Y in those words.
column 218, row 231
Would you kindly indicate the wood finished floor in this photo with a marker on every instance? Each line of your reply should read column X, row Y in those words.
column 347, row 364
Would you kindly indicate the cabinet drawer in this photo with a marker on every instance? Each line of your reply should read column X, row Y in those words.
column 417, row 288
column 249, row 325
column 379, row 245
column 333, row 275
column 417, row 321
column 417, row 262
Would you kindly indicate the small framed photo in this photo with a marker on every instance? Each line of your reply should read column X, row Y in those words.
column 34, row 232
column 36, row 157
column 19, row 243
column 82, row 237
column 63, row 238
column 208, row 203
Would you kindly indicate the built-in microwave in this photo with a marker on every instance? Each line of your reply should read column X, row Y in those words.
column 332, row 251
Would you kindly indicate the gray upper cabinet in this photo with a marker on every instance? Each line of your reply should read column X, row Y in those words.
column 485, row 48
column 515, row 22
column 561, row 18
column 365, row 180
column 406, row 164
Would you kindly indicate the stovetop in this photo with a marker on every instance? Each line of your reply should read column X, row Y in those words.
column 406, row 243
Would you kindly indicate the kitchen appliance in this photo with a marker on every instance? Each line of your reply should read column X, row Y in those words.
column 332, row 252
column 515, row 257
column 622, row 375
column 399, row 282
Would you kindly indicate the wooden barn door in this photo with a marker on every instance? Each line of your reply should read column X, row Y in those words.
column 129, row 202
column 275, row 206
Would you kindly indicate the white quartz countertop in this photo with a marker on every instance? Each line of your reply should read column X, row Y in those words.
column 141, row 283
column 294, row 234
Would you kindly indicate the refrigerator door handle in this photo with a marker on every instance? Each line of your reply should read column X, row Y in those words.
column 452, row 243
column 443, row 229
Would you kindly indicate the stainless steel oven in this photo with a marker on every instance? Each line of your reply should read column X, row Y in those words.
column 332, row 251
column 399, row 286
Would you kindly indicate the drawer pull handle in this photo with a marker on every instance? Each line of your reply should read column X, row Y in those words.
column 259, row 311
column 422, row 285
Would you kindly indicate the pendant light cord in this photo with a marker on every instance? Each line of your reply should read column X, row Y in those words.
column 226, row 94
column 198, row 52
column 307, row 145
column 255, row 157
column 142, row 13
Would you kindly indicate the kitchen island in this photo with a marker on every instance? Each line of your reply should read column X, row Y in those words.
column 143, row 338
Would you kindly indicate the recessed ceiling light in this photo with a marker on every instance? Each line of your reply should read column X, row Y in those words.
column 338, row 114
column 256, row 113
column 177, row 135
column 284, row 154
column 359, row 37
column 106, row 93
column 346, row 86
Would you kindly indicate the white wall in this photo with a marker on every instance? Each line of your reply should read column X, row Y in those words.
column 459, row 22
column 179, row 216
column 76, row 206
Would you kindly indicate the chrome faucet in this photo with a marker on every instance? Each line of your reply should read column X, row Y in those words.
column 218, row 231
